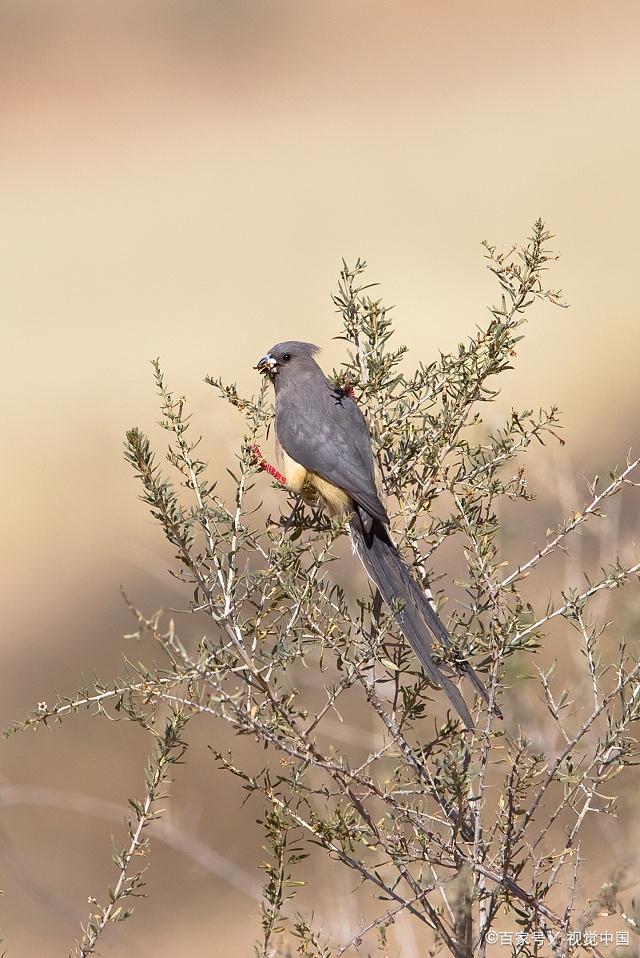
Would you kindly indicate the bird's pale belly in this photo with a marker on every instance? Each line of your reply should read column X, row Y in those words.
column 337, row 501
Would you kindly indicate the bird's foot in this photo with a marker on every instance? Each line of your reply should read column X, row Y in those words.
column 266, row 466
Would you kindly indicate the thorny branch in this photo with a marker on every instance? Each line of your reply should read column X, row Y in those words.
column 452, row 829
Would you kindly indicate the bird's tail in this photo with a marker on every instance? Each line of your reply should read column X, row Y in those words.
column 417, row 620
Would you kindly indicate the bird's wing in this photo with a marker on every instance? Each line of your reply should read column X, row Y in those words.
column 326, row 433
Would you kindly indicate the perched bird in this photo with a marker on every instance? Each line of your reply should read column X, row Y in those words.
column 325, row 444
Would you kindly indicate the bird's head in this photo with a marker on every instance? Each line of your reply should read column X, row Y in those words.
column 284, row 358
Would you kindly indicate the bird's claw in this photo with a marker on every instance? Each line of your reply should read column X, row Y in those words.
column 266, row 466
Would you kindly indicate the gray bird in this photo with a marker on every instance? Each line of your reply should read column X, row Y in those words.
column 325, row 444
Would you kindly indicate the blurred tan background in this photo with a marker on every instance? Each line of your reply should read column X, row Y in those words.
column 180, row 178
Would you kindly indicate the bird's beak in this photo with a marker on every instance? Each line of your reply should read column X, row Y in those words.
column 267, row 364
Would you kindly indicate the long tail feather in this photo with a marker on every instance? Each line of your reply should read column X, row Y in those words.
column 418, row 620
column 442, row 635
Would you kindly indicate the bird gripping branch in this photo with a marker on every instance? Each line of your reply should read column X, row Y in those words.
column 325, row 443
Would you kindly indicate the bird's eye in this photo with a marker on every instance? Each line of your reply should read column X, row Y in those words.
column 286, row 357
